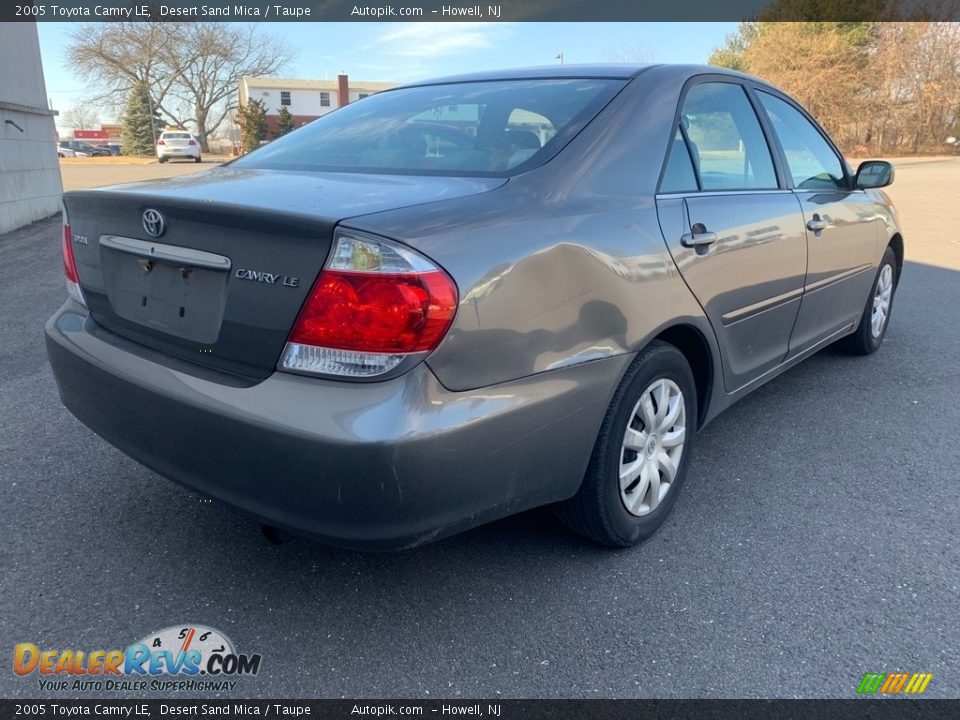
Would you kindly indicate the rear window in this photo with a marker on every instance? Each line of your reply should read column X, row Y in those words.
column 491, row 128
column 176, row 136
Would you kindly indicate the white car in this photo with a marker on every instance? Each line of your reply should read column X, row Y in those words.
column 178, row 144
column 65, row 152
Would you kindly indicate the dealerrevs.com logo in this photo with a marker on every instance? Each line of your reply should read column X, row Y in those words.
column 177, row 658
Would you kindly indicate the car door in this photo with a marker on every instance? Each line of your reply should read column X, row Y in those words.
column 841, row 225
column 735, row 233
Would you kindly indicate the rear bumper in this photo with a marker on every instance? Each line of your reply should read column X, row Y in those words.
column 365, row 465
column 181, row 152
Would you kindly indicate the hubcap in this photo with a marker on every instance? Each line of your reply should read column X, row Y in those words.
column 881, row 301
column 652, row 446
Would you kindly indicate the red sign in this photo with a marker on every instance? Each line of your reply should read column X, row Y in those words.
column 91, row 135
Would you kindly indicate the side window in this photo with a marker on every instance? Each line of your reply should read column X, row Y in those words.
column 726, row 143
column 678, row 175
column 812, row 162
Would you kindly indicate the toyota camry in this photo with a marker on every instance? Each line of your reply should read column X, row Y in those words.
column 462, row 298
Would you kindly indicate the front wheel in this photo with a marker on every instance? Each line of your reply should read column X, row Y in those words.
column 640, row 459
column 876, row 314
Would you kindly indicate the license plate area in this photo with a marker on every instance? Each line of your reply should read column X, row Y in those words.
column 178, row 291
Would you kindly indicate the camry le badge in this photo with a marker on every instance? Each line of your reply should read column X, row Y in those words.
column 267, row 278
column 153, row 222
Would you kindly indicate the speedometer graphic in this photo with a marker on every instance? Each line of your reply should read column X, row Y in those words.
column 178, row 639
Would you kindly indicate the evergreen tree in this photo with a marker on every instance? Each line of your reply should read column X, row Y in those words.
column 139, row 122
column 284, row 121
column 252, row 119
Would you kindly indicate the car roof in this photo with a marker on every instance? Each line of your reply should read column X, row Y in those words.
column 612, row 71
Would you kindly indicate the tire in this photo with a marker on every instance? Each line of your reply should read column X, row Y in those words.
column 599, row 510
column 197, row 159
column 868, row 337
column 161, row 160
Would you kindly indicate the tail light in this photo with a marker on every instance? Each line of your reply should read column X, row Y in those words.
column 70, row 265
column 161, row 142
column 192, row 142
column 375, row 306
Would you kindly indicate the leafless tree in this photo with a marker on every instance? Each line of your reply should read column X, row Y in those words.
column 637, row 53
column 192, row 69
column 208, row 61
column 83, row 116
column 113, row 57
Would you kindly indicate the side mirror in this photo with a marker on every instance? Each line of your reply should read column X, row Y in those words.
column 874, row 174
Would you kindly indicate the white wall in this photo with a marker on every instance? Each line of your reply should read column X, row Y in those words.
column 302, row 102
column 30, row 187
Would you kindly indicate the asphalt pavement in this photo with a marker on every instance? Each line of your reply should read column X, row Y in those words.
column 816, row 538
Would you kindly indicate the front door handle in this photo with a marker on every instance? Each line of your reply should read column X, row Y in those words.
column 816, row 224
column 698, row 239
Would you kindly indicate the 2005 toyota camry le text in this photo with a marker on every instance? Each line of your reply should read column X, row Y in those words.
column 467, row 297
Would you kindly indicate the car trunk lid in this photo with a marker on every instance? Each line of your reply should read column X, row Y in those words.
column 178, row 141
column 214, row 267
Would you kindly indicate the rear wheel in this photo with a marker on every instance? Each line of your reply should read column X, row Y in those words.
column 161, row 160
column 876, row 313
column 197, row 159
column 641, row 455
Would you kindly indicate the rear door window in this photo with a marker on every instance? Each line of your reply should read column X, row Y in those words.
column 727, row 145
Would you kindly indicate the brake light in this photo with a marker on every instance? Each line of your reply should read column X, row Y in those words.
column 70, row 266
column 192, row 142
column 161, row 142
column 375, row 305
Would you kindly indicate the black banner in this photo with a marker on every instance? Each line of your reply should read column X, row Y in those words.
column 854, row 709
column 463, row 10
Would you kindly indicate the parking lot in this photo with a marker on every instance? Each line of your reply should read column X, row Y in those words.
column 816, row 538
column 93, row 172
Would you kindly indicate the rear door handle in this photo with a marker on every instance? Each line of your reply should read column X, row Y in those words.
column 698, row 239
column 816, row 224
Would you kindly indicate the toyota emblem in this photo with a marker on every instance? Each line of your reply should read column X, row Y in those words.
column 154, row 223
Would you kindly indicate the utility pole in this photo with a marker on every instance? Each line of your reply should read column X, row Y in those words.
column 559, row 57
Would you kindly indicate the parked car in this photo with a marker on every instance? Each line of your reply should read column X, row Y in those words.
column 112, row 148
column 376, row 340
column 84, row 149
column 65, row 152
column 178, row 144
